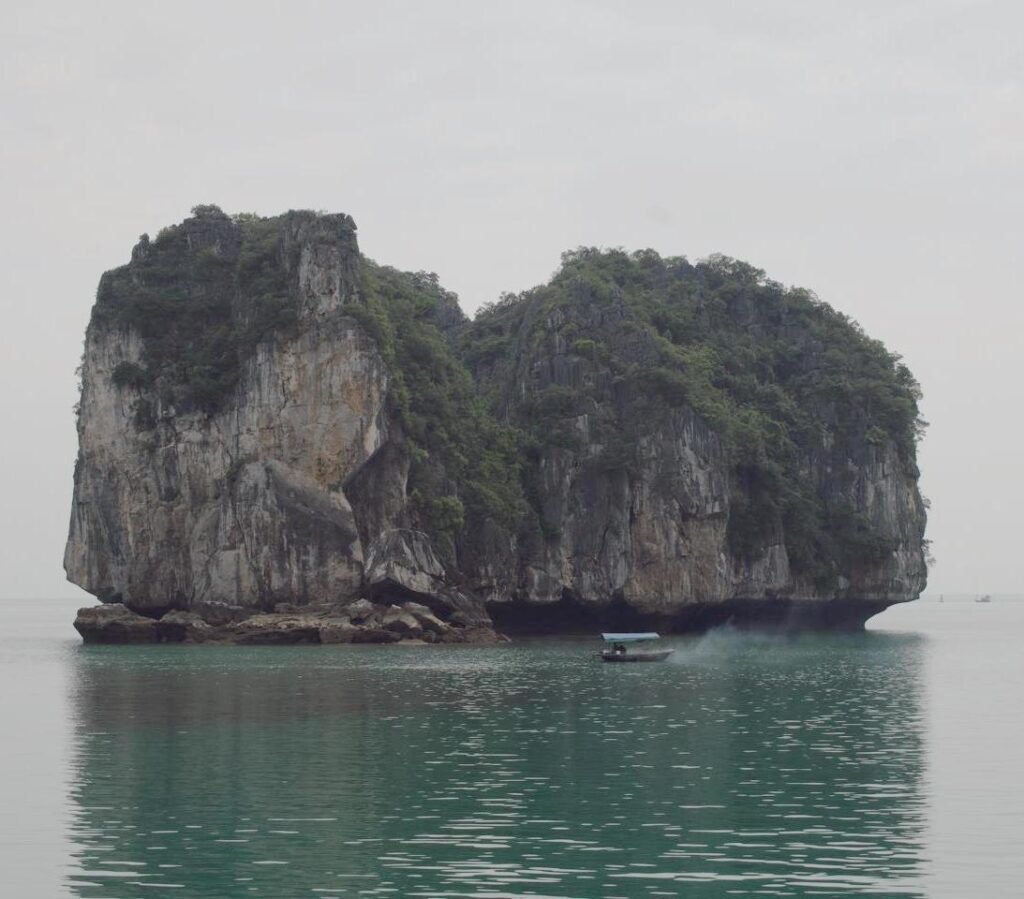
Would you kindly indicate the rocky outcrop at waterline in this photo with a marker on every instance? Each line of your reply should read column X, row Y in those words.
column 359, row 621
column 270, row 419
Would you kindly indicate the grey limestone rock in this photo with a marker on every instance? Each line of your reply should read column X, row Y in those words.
column 293, row 494
column 114, row 623
column 401, row 622
column 362, row 610
column 180, row 627
column 401, row 564
column 404, row 560
column 338, row 631
column 243, row 507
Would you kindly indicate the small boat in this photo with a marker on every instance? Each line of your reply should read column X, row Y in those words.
column 986, row 598
column 620, row 653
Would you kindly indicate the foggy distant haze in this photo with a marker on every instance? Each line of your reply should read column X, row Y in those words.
column 871, row 152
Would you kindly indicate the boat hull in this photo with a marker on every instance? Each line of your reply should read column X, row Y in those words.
column 636, row 655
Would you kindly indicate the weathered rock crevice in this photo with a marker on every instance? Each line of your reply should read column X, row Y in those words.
column 258, row 452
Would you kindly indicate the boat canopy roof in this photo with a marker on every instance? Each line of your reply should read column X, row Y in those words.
column 628, row 638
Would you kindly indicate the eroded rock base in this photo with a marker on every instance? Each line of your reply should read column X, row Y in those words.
column 570, row 617
column 360, row 621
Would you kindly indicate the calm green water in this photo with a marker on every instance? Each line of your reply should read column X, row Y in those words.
column 744, row 766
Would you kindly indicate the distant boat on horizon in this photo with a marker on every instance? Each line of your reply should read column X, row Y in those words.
column 987, row 597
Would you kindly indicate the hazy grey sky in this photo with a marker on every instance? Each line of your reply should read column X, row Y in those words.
column 871, row 151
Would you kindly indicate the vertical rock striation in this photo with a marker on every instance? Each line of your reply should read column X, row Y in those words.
column 704, row 453
column 244, row 503
column 267, row 418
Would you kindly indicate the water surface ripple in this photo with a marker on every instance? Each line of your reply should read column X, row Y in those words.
column 744, row 766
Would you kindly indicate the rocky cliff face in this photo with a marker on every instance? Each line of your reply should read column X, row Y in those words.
column 651, row 511
column 245, row 505
column 257, row 427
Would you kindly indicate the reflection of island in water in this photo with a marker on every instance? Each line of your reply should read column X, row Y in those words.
column 529, row 769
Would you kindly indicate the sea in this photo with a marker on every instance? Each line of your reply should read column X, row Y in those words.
column 887, row 763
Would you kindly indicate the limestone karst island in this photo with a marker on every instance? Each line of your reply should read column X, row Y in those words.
column 282, row 441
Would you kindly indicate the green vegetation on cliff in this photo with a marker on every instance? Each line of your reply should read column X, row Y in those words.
column 465, row 474
column 206, row 292
column 588, row 365
column 202, row 295
column 781, row 377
